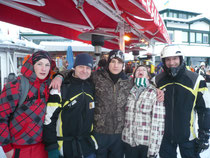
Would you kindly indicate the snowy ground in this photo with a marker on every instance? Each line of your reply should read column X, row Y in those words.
column 2, row 155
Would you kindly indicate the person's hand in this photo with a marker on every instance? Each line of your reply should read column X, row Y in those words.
column 202, row 142
column 10, row 153
column 53, row 153
column 56, row 83
column 160, row 95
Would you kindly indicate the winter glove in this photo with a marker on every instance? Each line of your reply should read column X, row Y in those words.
column 53, row 153
column 202, row 142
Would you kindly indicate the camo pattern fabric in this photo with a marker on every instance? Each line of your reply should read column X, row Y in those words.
column 110, row 102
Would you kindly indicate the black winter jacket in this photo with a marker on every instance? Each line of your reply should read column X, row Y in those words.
column 185, row 95
column 68, row 121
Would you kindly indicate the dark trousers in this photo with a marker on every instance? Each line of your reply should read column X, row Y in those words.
column 187, row 149
column 135, row 152
column 110, row 145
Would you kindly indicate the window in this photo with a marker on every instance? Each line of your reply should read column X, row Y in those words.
column 170, row 14
column 192, row 37
column 205, row 38
column 175, row 15
column 182, row 16
column 184, row 36
column 198, row 38
column 171, row 35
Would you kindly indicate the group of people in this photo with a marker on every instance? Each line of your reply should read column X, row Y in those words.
column 106, row 114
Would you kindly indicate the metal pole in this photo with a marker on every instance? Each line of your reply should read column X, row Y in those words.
column 122, row 41
column 97, row 50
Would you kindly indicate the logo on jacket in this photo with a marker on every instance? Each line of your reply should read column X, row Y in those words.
column 72, row 103
column 91, row 105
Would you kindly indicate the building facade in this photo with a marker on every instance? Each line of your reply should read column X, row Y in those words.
column 192, row 31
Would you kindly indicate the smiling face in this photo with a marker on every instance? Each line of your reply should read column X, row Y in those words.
column 141, row 72
column 83, row 72
column 172, row 62
column 42, row 68
column 115, row 66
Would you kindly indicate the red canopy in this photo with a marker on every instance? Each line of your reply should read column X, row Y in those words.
column 139, row 18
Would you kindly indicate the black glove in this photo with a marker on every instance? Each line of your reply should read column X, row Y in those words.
column 202, row 142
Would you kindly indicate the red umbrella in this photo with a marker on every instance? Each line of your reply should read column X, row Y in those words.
column 69, row 18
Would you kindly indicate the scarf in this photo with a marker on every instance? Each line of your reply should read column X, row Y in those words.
column 141, row 82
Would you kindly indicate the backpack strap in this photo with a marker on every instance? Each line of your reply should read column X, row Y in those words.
column 24, row 88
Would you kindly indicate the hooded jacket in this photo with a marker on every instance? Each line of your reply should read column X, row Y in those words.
column 26, row 125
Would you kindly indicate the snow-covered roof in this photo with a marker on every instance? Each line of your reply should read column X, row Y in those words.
column 10, row 41
column 190, row 20
column 76, row 46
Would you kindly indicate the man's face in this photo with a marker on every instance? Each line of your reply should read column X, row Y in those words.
column 83, row 72
column 172, row 62
column 115, row 66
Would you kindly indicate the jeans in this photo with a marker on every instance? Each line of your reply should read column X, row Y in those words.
column 110, row 145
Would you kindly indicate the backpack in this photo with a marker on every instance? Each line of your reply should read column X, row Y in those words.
column 24, row 88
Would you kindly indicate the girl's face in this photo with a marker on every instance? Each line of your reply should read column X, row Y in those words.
column 42, row 68
column 141, row 72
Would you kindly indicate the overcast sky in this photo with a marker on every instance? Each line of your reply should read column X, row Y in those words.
column 200, row 6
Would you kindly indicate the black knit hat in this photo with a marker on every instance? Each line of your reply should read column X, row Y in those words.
column 40, row 55
column 84, row 59
column 118, row 54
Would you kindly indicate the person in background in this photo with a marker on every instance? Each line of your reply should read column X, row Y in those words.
column 202, row 70
column 152, row 74
column 65, row 64
column 101, row 64
column 196, row 68
column 55, row 69
column 185, row 95
column 144, row 118
column 69, row 116
column 21, row 126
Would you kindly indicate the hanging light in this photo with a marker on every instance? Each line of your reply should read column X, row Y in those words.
column 126, row 38
column 142, row 40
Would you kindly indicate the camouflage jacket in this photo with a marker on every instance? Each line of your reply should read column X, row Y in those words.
column 110, row 102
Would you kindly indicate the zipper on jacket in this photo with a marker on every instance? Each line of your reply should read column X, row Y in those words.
column 172, row 116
